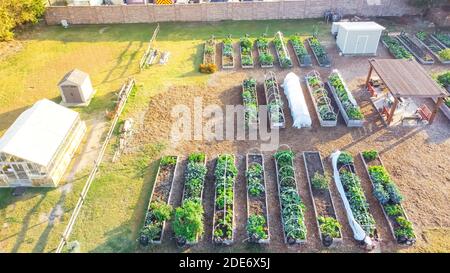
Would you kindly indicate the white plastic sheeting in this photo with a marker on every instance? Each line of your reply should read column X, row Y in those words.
column 358, row 232
column 297, row 103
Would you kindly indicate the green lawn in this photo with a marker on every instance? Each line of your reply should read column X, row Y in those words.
column 115, row 206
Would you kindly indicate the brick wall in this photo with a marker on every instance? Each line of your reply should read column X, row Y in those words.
column 295, row 9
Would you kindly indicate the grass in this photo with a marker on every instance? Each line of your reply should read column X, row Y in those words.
column 115, row 206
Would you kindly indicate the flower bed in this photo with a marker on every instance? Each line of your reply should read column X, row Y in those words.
column 257, row 215
column 347, row 104
column 264, row 56
column 433, row 46
column 319, row 52
column 395, row 48
column 223, row 222
column 274, row 102
column 159, row 210
column 328, row 226
column 188, row 222
column 282, row 52
column 292, row 207
column 389, row 197
column 250, row 100
column 227, row 53
column 209, row 57
column 245, row 45
column 303, row 57
column 350, row 184
column 419, row 51
column 321, row 98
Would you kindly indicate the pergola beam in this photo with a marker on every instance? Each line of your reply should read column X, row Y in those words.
column 436, row 109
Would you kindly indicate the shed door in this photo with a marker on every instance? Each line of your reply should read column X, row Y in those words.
column 72, row 94
column 361, row 44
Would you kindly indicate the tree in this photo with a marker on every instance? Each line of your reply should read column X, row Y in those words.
column 14, row 13
column 426, row 5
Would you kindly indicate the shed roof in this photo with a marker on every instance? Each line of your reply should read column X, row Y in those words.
column 38, row 132
column 361, row 26
column 74, row 76
column 407, row 78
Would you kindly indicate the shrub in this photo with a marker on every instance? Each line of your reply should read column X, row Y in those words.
column 370, row 155
column 208, row 68
column 188, row 221
column 444, row 79
column 320, row 181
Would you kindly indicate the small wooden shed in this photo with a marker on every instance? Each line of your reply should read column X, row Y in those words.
column 76, row 88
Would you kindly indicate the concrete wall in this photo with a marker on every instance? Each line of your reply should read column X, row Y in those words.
column 295, row 9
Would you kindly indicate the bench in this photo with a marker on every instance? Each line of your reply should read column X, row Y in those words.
column 424, row 112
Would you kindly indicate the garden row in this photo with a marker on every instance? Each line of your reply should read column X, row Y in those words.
column 263, row 47
column 321, row 95
column 188, row 223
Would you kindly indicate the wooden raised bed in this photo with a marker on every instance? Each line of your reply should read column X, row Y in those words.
column 277, row 169
column 327, row 62
column 283, row 50
column 351, row 168
column 348, row 121
column 419, row 51
column 391, row 220
column 322, row 201
column 251, row 124
column 272, row 95
column 209, row 58
column 184, row 197
column 400, row 45
column 320, row 93
column 303, row 60
column 162, row 191
column 261, row 52
column 433, row 47
column 257, row 204
column 227, row 61
column 217, row 213
column 250, row 55
column 433, row 36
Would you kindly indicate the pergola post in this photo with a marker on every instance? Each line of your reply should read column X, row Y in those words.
column 391, row 114
column 369, row 75
column 436, row 109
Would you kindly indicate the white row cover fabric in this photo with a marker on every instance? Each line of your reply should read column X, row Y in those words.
column 358, row 232
column 38, row 132
column 297, row 103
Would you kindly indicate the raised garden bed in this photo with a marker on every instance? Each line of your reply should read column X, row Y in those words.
column 394, row 47
column 433, row 46
column 319, row 52
column 303, row 57
column 245, row 47
column 257, row 213
column 265, row 57
column 352, row 194
column 328, row 226
column 418, row 50
column 282, row 52
column 389, row 197
column 209, row 51
column 321, row 99
column 159, row 210
column 223, row 222
column 188, row 222
column 442, row 38
column 291, row 205
column 274, row 102
column 346, row 102
column 227, row 53
column 250, row 102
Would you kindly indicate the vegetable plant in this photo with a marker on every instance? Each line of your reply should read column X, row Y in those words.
column 329, row 227
column 254, row 176
column 168, row 160
column 246, row 51
column 319, row 51
column 353, row 111
column 370, row 155
column 396, row 48
column 209, row 57
column 265, row 57
column 283, row 54
column 320, row 181
column 250, row 101
column 227, row 52
column 274, row 103
column 256, row 227
column 188, row 221
column 320, row 95
column 443, row 38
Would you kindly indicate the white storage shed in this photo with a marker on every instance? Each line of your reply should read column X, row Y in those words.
column 38, row 147
column 357, row 38
column 76, row 88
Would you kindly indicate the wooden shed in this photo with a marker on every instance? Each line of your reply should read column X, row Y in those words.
column 76, row 88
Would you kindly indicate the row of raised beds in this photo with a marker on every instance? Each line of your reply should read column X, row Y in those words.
column 418, row 50
column 389, row 197
column 439, row 51
column 250, row 100
column 321, row 99
column 159, row 211
column 395, row 47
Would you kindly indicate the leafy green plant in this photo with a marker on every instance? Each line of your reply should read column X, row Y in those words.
column 393, row 210
column 421, row 35
column 443, row 38
column 370, row 155
column 250, row 101
column 396, row 48
column 353, row 111
column 320, row 95
column 405, row 229
column 329, row 227
column 256, row 227
column 445, row 54
column 319, row 50
column 444, row 79
column 161, row 211
column 194, row 177
column 345, row 158
column 283, row 55
column 168, row 160
column 384, row 187
column 254, row 176
column 197, row 157
column 246, row 51
column 265, row 57
column 320, row 181
column 188, row 221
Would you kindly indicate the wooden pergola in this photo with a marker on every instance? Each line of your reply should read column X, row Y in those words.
column 406, row 79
